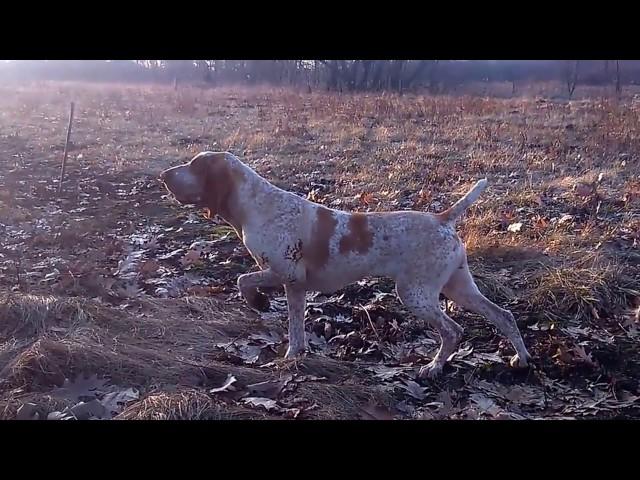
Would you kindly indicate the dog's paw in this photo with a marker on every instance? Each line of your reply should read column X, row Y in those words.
column 520, row 362
column 259, row 301
column 430, row 371
column 293, row 352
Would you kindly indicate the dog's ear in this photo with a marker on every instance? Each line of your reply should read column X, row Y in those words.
column 217, row 182
column 200, row 164
column 207, row 164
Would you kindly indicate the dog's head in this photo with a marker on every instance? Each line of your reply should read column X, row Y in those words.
column 208, row 180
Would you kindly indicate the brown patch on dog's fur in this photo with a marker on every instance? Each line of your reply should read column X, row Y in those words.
column 221, row 184
column 359, row 239
column 316, row 254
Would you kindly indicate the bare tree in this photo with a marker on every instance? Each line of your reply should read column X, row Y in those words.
column 418, row 71
column 572, row 75
column 351, row 75
column 395, row 75
column 378, row 71
column 366, row 70
column 511, row 75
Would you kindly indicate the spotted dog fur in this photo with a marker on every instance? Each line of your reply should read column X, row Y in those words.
column 308, row 247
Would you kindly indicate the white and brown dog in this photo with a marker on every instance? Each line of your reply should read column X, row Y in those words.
column 308, row 247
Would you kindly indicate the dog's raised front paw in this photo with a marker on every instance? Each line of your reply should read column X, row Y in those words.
column 259, row 301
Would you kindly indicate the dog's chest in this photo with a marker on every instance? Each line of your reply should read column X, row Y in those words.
column 265, row 246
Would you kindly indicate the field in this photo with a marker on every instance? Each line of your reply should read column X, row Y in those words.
column 116, row 302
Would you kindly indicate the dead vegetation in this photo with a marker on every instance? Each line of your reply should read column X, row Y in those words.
column 117, row 303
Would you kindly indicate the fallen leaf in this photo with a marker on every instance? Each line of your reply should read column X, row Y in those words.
column 337, row 339
column 488, row 357
column 504, row 415
column 266, row 403
column 309, row 378
column 270, row 388
column 485, row 404
column 149, row 267
column 563, row 354
column 161, row 292
column 565, row 218
column 28, row 411
column 366, row 198
column 515, row 395
column 291, row 412
column 190, row 258
column 582, row 356
column 414, row 389
column 387, row 373
column 524, row 395
column 576, row 331
column 152, row 244
column 128, row 266
column 204, row 291
column 88, row 410
column 130, row 290
column 583, row 189
column 203, row 245
column 56, row 415
column 114, row 402
column 227, row 385
column 447, row 404
column 327, row 330
column 81, row 388
column 250, row 353
column 269, row 338
column 373, row 411
column 171, row 254
column 540, row 223
column 461, row 353
column 515, row 227
column 354, row 339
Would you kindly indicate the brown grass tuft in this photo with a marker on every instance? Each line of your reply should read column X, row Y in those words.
column 186, row 405
column 582, row 292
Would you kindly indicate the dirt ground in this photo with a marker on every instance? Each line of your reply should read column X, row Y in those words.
column 116, row 302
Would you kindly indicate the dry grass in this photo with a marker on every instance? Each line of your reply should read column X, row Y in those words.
column 160, row 349
column 186, row 405
column 587, row 289
column 362, row 152
column 28, row 315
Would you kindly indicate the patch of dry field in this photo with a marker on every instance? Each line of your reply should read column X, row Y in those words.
column 106, row 280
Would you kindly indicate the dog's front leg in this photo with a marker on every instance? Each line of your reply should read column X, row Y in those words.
column 296, row 301
column 248, row 285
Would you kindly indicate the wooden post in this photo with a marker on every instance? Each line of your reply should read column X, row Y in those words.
column 66, row 151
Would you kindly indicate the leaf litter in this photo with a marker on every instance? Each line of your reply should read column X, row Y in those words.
column 92, row 398
column 113, row 241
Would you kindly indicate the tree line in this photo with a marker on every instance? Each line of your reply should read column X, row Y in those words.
column 338, row 75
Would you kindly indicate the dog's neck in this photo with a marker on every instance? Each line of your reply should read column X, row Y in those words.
column 244, row 189
column 248, row 194
column 231, row 212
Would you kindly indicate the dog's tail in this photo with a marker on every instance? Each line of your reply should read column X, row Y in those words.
column 457, row 209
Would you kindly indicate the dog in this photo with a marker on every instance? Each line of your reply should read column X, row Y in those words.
column 305, row 246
